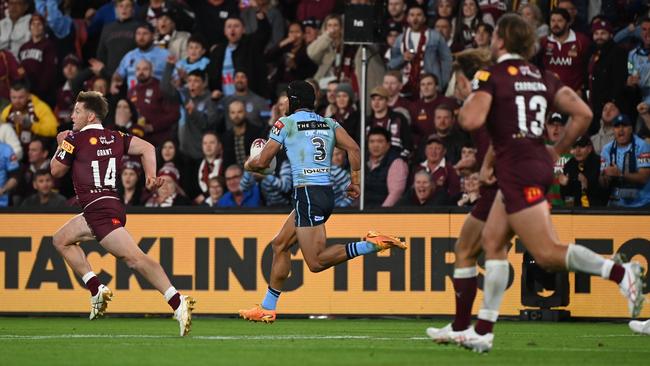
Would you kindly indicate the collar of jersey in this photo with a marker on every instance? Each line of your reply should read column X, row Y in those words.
column 93, row 126
column 509, row 56
column 571, row 38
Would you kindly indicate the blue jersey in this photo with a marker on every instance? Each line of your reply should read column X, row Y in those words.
column 8, row 164
column 309, row 140
column 640, row 195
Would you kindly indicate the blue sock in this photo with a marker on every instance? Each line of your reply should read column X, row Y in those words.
column 360, row 248
column 271, row 299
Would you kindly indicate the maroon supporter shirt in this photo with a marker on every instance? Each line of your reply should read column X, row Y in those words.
column 521, row 95
column 423, row 116
column 567, row 60
column 95, row 155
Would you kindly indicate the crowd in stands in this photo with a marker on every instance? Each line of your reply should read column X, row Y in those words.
column 202, row 79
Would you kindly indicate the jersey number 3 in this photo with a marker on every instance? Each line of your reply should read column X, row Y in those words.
column 536, row 104
column 109, row 175
column 319, row 145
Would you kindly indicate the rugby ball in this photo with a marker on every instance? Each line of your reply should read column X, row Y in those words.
column 256, row 148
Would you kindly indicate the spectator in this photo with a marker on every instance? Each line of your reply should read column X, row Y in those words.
column 492, row 10
column 10, row 72
column 393, row 84
column 61, row 27
column 182, row 16
column 215, row 190
column 195, row 59
column 211, row 18
column 65, row 95
column 290, row 58
column 30, row 116
column 276, row 21
column 483, row 36
column 275, row 188
column 329, row 106
column 279, row 109
column 554, row 131
column 236, row 197
column 579, row 180
column 420, row 50
column 638, row 64
column 14, row 28
column 170, row 194
column 444, row 26
column 445, row 9
column 256, row 108
column 605, row 135
column 443, row 175
column 467, row 163
column 198, row 112
column 395, row 123
column 237, row 140
column 625, row 167
column 347, row 113
column 323, row 51
column 38, row 57
column 311, row 29
column 124, row 118
column 467, row 20
column 8, row 136
column 424, row 109
column 8, row 170
column 212, row 165
column 145, row 50
column 168, row 37
column 117, row 38
column 241, row 52
column 168, row 154
column 158, row 112
column 340, row 178
column 421, row 194
column 577, row 21
column 396, row 14
column 565, row 52
column 386, row 173
column 44, row 196
column 392, row 32
column 644, row 114
column 606, row 73
column 471, row 187
column 533, row 16
column 131, row 187
column 37, row 159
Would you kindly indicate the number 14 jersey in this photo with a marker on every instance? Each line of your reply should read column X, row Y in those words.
column 95, row 154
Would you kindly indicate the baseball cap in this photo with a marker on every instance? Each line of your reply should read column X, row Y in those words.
column 601, row 24
column 622, row 119
column 558, row 118
column 380, row 91
column 70, row 59
column 435, row 138
column 311, row 22
column 584, row 140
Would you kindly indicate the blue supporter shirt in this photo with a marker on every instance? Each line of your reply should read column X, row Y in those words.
column 642, row 156
column 156, row 55
column 309, row 141
column 8, row 164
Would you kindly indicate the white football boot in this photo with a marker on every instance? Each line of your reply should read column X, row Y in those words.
column 440, row 335
column 469, row 339
column 632, row 287
column 640, row 327
column 184, row 314
column 99, row 302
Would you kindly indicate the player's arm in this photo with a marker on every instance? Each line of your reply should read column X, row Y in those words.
column 57, row 168
column 568, row 102
column 473, row 113
column 262, row 160
column 147, row 154
column 347, row 143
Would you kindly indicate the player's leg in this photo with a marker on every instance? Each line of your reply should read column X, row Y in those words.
column 641, row 327
column 552, row 255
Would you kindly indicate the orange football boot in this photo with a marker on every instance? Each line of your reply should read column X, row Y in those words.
column 258, row 314
column 384, row 241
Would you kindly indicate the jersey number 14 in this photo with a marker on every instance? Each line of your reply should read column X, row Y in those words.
column 536, row 104
column 109, row 175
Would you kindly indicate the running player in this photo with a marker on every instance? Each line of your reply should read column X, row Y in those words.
column 309, row 140
column 94, row 154
column 468, row 245
column 513, row 98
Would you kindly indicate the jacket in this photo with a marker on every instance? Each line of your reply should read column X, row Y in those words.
column 46, row 125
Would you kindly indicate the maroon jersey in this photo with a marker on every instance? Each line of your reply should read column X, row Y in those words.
column 567, row 60
column 95, row 155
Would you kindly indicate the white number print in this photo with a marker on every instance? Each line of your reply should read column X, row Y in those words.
column 536, row 104
column 109, row 176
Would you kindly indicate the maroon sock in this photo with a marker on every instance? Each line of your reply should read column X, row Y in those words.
column 465, row 294
column 93, row 285
column 617, row 273
column 483, row 327
column 175, row 301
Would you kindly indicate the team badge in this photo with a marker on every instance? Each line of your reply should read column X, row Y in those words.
column 67, row 147
column 277, row 127
column 93, row 141
column 513, row 70
column 532, row 194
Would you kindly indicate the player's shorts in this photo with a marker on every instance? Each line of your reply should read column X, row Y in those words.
column 104, row 216
column 482, row 206
column 313, row 205
column 524, row 186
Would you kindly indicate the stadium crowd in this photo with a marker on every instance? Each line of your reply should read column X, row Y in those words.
column 202, row 79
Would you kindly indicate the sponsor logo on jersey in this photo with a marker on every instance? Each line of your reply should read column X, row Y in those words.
column 482, row 75
column 644, row 159
column 561, row 61
column 527, row 71
column 67, row 147
column 93, row 141
column 532, row 194
column 116, row 222
column 311, row 171
column 312, row 125
column 513, row 70
column 105, row 141
column 277, row 127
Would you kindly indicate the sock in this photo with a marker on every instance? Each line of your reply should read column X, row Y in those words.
column 271, row 299
column 92, row 282
column 494, row 286
column 173, row 297
column 360, row 248
column 579, row 258
column 465, row 283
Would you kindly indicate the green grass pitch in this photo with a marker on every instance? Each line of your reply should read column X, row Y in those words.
column 215, row 341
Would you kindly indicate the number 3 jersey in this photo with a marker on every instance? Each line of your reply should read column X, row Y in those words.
column 95, row 154
column 521, row 98
column 309, row 141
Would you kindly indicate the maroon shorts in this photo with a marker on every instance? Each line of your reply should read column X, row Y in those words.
column 526, row 185
column 104, row 216
column 482, row 207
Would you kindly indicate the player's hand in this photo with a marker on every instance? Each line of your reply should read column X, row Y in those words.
column 154, row 183
column 486, row 176
column 61, row 136
column 353, row 191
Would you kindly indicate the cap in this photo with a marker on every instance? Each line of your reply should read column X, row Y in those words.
column 622, row 119
column 558, row 118
column 70, row 59
column 380, row 91
column 169, row 170
column 601, row 24
column 311, row 22
column 435, row 138
column 584, row 140
column 394, row 27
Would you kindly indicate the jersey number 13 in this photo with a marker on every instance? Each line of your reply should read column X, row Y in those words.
column 536, row 104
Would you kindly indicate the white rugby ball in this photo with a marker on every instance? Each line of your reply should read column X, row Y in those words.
column 256, row 148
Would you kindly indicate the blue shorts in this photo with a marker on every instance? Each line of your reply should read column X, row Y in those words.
column 313, row 205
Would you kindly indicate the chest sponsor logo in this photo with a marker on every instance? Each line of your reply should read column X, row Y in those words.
column 561, row 61
column 513, row 70
column 105, row 141
column 67, row 147
column 312, row 125
column 312, row 171
column 93, row 141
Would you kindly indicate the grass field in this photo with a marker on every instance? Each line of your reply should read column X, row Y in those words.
column 154, row 341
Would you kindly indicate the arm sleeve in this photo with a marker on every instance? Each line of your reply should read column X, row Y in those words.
column 59, row 23
column 66, row 152
column 9, row 137
column 396, row 58
column 396, row 182
column 445, row 61
column 643, row 157
column 12, row 160
column 278, row 132
column 483, row 81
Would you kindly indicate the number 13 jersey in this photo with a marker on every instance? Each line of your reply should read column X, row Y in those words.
column 309, row 141
column 95, row 155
